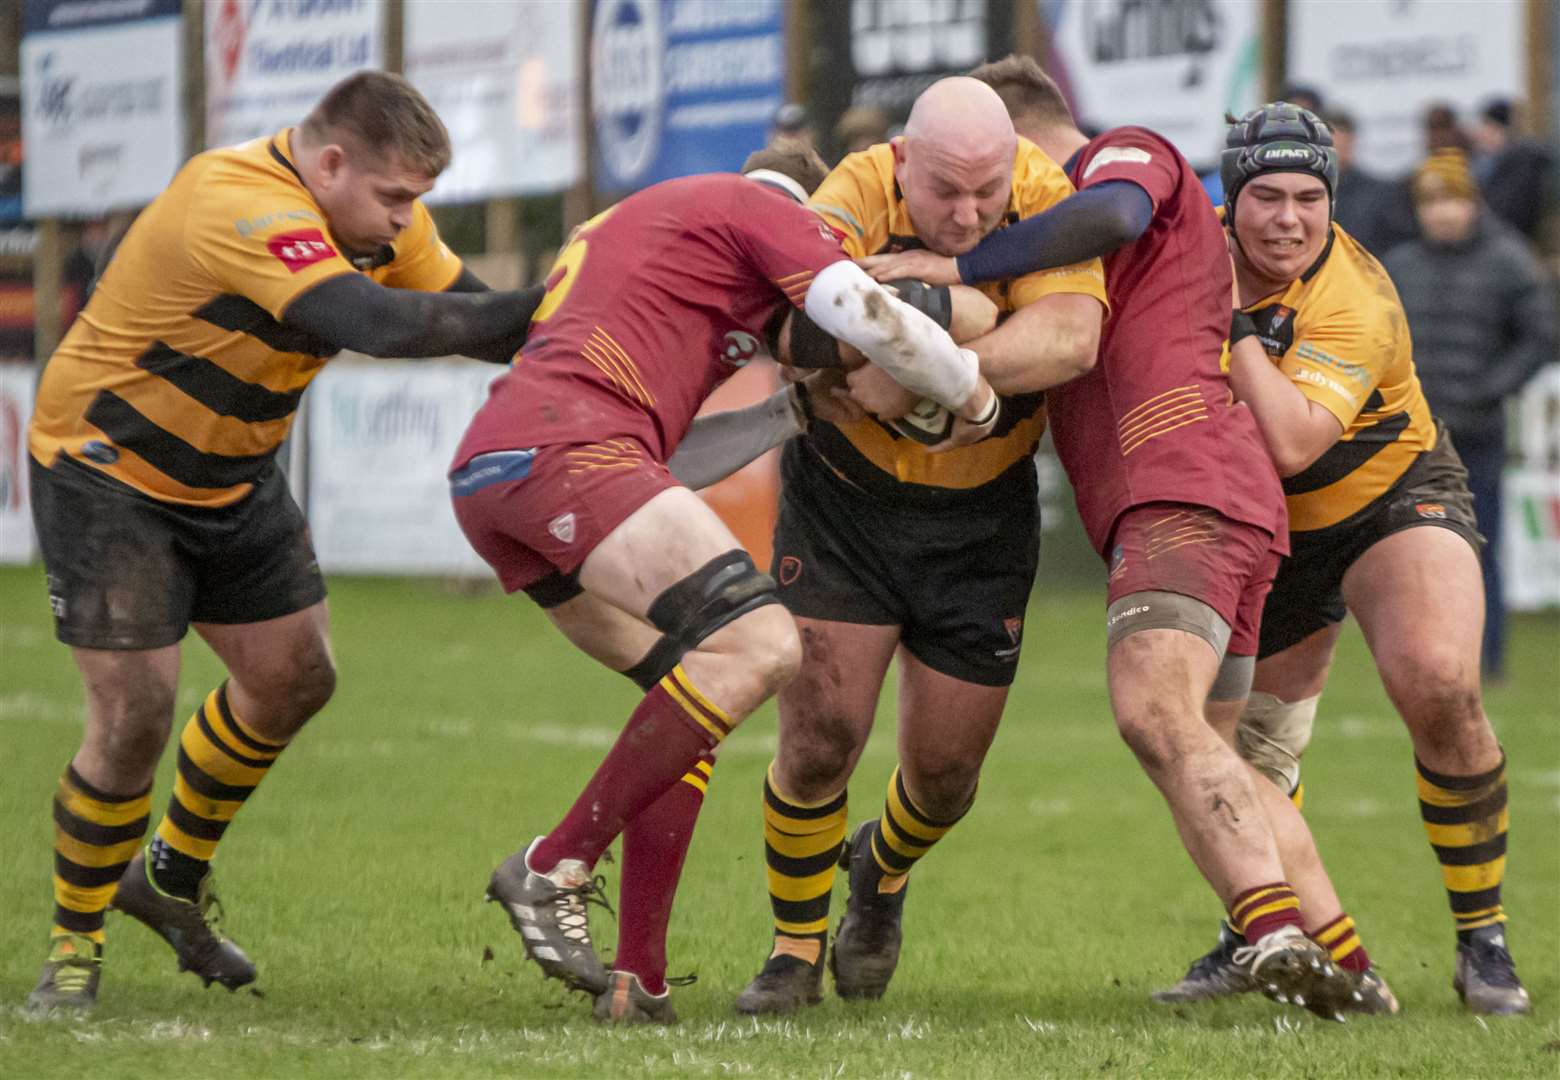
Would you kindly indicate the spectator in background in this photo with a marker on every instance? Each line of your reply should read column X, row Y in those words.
column 860, row 127
column 1513, row 172
column 1307, row 97
column 1442, row 131
column 791, row 127
column 1378, row 213
column 1482, row 319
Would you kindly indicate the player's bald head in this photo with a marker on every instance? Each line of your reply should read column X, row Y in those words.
column 954, row 163
column 964, row 118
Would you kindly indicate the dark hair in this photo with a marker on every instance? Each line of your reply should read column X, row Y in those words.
column 1498, row 111
column 1339, row 120
column 791, row 158
column 377, row 113
column 1025, row 89
column 1307, row 97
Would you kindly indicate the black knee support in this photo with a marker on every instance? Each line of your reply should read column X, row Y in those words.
column 723, row 589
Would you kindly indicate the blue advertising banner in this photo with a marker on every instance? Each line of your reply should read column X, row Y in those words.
column 39, row 16
column 682, row 86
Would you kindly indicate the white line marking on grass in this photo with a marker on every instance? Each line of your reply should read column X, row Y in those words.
column 32, row 707
column 1050, row 807
column 1040, row 1027
column 1365, row 727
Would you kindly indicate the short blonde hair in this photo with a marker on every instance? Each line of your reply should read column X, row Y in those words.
column 375, row 112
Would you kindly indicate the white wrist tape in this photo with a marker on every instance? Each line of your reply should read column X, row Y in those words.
column 914, row 350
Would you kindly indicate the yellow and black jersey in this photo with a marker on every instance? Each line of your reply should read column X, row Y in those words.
column 1340, row 334
column 861, row 200
column 179, row 378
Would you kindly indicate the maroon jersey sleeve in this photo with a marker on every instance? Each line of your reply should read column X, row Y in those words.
column 1137, row 156
column 783, row 241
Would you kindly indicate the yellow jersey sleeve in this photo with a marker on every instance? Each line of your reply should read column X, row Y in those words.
column 853, row 201
column 1339, row 358
column 262, row 242
column 422, row 260
column 1039, row 184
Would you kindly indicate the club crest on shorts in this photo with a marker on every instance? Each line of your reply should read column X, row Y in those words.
column 1015, row 629
column 562, row 527
column 790, row 569
column 738, row 348
column 1437, row 511
column 1118, row 560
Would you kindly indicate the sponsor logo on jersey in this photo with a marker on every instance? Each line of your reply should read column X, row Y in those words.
column 1118, row 560
column 1436, row 511
column 300, row 249
column 790, row 569
column 1310, row 352
column 1115, row 155
column 1275, row 328
column 1316, row 378
column 562, row 527
column 99, row 451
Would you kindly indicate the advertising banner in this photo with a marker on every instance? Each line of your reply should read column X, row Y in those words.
column 381, row 436
column 504, row 78
column 101, row 104
column 16, row 396
column 1176, row 67
column 269, row 61
column 1385, row 61
column 1530, row 531
column 682, row 86
column 883, row 53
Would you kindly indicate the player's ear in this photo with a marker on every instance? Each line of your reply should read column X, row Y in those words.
column 332, row 162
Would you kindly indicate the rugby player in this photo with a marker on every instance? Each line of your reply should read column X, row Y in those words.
column 1381, row 522
column 561, row 484
column 884, row 547
column 1180, row 500
column 159, row 504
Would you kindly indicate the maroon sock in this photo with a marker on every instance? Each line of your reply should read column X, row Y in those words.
column 670, row 730
column 654, row 846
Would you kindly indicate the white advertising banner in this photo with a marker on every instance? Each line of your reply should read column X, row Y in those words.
column 1530, row 503
column 102, row 117
column 381, row 436
column 504, row 78
column 269, row 61
column 1386, row 60
column 16, row 396
column 1176, row 67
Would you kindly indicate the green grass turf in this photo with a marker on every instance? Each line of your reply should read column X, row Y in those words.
column 463, row 725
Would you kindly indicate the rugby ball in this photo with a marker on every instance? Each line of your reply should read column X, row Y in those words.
column 928, row 423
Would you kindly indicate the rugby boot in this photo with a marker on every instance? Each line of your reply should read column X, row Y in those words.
column 548, row 911
column 1375, row 996
column 626, row 1002
column 1213, row 975
column 1291, row 969
column 785, row 984
column 193, row 928
column 70, row 975
column 1486, row 977
column 866, row 944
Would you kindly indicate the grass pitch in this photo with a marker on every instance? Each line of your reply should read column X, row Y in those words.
column 463, row 726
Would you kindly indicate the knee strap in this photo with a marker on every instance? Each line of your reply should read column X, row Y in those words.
column 1273, row 734
column 722, row 590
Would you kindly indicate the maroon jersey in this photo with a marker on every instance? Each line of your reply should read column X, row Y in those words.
column 1154, row 420
column 651, row 305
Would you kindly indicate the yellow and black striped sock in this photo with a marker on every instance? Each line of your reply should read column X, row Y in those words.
column 904, row 834
column 802, row 847
column 221, row 761
column 95, row 837
column 1466, row 820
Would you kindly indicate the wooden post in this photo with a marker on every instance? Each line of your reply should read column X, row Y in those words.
column 1275, row 44
column 194, row 44
column 395, row 36
column 579, row 202
column 48, row 268
column 1540, row 69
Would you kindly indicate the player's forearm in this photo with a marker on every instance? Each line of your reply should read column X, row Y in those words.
column 719, row 444
column 1044, row 344
column 352, row 312
column 1092, row 223
column 914, row 350
column 1294, row 435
